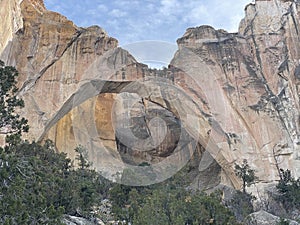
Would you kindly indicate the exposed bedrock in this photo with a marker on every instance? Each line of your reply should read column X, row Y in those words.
column 225, row 96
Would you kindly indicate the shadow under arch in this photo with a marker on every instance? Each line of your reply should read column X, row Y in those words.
column 97, row 87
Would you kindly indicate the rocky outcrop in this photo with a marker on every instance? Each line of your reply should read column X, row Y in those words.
column 73, row 220
column 225, row 96
column 264, row 218
column 250, row 86
column 11, row 21
column 52, row 55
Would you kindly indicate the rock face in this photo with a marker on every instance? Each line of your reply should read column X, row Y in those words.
column 11, row 21
column 73, row 220
column 249, row 80
column 264, row 218
column 225, row 96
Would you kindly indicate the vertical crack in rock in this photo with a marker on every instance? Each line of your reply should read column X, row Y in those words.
column 144, row 117
column 30, row 83
column 277, row 102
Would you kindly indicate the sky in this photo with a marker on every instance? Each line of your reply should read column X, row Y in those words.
column 158, row 22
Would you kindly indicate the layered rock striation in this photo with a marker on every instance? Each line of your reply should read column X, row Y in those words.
column 249, row 80
column 225, row 96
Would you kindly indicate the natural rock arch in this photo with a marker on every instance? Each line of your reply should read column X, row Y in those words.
column 90, row 92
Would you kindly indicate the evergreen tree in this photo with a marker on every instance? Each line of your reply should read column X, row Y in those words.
column 11, row 123
column 81, row 157
column 245, row 173
column 37, row 184
column 168, row 203
column 289, row 189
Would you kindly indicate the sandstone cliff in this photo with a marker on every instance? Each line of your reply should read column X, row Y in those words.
column 226, row 96
column 250, row 84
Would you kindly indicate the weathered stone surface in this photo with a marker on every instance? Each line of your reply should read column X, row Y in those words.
column 53, row 56
column 248, row 80
column 236, row 95
column 11, row 21
column 73, row 220
column 264, row 218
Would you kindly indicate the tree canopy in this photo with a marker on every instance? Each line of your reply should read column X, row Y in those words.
column 11, row 123
column 245, row 173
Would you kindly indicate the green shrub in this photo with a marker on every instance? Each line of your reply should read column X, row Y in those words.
column 289, row 190
column 168, row 204
column 241, row 205
column 39, row 185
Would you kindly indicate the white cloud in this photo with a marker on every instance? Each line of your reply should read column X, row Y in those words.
column 166, row 20
column 102, row 7
column 117, row 13
column 169, row 7
column 132, row 21
column 197, row 14
column 154, row 53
